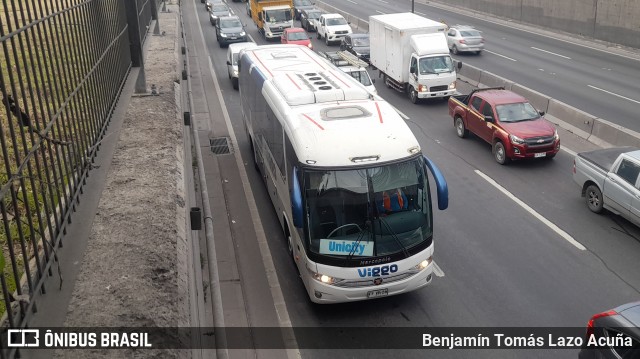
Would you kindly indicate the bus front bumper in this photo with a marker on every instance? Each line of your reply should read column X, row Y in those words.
column 327, row 294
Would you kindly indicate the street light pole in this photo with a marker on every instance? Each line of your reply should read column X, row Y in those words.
column 413, row 3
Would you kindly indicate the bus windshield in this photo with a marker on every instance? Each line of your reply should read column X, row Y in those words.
column 368, row 212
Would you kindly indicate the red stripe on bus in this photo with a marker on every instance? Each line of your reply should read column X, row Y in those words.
column 294, row 82
column 314, row 122
column 261, row 63
column 379, row 114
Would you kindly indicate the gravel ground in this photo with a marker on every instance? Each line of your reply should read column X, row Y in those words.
column 130, row 274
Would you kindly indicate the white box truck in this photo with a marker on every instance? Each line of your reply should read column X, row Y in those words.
column 412, row 55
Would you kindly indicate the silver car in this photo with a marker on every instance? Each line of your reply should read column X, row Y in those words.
column 217, row 11
column 462, row 38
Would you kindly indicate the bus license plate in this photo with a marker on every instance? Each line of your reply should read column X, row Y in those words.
column 541, row 154
column 377, row 293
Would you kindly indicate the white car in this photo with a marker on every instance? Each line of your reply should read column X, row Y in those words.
column 361, row 75
column 333, row 27
column 233, row 55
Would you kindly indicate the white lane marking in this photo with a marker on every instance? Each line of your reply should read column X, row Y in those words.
column 382, row 1
column 571, row 152
column 421, row 14
column 353, row 2
column 614, row 94
column 251, row 38
column 552, row 53
column 497, row 54
column 532, row 211
column 437, row 271
column 380, row 12
column 400, row 113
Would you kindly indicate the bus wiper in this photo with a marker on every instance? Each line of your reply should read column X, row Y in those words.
column 395, row 236
column 367, row 225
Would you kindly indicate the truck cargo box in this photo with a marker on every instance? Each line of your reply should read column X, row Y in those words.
column 390, row 37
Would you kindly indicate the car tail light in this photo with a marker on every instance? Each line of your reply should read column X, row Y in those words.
column 597, row 316
column 462, row 41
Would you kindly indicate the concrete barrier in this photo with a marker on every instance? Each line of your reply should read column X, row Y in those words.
column 538, row 100
column 470, row 74
column 608, row 134
column 487, row 79
column 573, row 116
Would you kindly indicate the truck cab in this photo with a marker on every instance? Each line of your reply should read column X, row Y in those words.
column 272, row 17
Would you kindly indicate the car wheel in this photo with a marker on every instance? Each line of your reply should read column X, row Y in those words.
column 326, row 40
column 413, row 95
column 234, row 82
column 221, row 44
column 318, row 36
column 500, row 153
column 478, row 52
column 460, row 129
column 454, row 49
column 593, row 197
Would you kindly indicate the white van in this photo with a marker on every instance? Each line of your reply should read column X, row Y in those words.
column 232, row 60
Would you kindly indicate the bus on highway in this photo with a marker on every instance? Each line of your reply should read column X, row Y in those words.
column 345, row 174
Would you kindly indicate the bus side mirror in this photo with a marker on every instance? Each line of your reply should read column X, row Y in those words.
column 296, row 199
column 441, row 184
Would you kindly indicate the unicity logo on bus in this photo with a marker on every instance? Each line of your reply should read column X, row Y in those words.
column 377, row 271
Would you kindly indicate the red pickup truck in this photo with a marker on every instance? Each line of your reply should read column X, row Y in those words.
column 507, row 121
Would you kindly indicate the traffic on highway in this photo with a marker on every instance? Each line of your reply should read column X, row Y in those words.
column 374, row 210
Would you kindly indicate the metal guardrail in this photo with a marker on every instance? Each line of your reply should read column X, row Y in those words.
column 63, row 65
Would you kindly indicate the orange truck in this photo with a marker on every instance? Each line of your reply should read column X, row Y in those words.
column 272, row 16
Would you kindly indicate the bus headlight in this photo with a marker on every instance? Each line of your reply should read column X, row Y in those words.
column 323, row 278
column 452, row 86
column 424, row 264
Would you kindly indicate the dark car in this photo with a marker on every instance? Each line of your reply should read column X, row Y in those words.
column 299, row 5
column 229, row 29
column 308, row 18
column 617, row 333
column 357, row 44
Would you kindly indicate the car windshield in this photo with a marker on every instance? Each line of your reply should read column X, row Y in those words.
column 516, row 112
column 278, row 15
column 435, row 65
column 336, row 21
column 230, row 23
column 297, row 36
column 361, row 42
column 314, row 14
column 470, row 33
column 379, row 211
column 219, row 8
column 302, row 3
column 362, row 76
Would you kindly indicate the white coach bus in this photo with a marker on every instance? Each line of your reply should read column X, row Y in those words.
column 345, row 174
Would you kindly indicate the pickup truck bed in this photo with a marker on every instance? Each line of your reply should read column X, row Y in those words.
column 604, row 158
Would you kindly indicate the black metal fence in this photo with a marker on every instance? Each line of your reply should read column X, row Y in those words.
column 63, row 64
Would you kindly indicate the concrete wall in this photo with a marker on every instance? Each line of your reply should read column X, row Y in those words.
column 616, row 21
